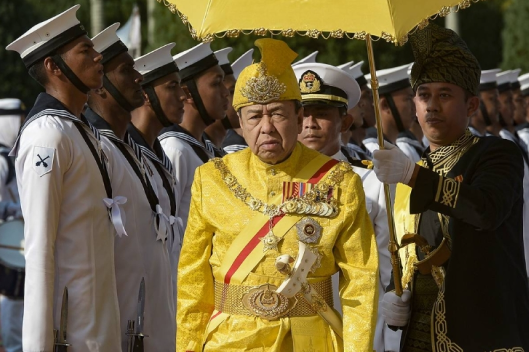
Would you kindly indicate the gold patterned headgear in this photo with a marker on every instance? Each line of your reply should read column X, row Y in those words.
column 270, row 80
column 442, row 56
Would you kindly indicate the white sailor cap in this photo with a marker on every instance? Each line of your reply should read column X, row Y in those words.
column 356, row 72
column 325, row 83
column 514, row 78
column 345, row 66
column 242, row 62
column 224, row 62
column 311, row 58
column 11, row 106
column 488, row 80
column 108, row 44
column 156, row 64
column 195, row 61
column 44, row 38
column 524, row 84
column 392, row 79
column 503, row 80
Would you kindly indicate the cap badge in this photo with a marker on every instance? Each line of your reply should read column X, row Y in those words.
column 264, row 88
column 310, row 82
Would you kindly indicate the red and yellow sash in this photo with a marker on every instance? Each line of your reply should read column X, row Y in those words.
column 246, row 251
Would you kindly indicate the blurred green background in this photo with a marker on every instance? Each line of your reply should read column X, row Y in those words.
column 497, row 31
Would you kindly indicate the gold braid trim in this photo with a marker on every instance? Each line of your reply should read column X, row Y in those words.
column 314, row 33
column 314, row 202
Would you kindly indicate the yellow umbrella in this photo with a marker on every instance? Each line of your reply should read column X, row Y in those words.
column 391, row 20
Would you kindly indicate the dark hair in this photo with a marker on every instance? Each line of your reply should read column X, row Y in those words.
column 342, row 110
column 38, row 73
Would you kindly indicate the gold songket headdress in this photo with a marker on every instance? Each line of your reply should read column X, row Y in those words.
column 442, row 56
column 270, row 80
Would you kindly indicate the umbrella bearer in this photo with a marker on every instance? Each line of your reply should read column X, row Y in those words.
column 458, row 215
column 110, row 112
column 253, row 212
column 397, row 111
column 327, row 94
column 207, row 101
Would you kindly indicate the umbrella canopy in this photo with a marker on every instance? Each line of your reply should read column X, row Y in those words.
column 391, row 20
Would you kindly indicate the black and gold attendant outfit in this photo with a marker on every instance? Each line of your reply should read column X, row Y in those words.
column 469, row 194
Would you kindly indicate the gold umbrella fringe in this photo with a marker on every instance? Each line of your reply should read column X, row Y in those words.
column 314, row 33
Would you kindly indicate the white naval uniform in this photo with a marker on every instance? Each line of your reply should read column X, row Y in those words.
column 185, row 161
column 385, row 338
column 11, row 309
column 523, row 134
column 173, row 224
column 141, row 254
column 69, row 239
column 505, row 134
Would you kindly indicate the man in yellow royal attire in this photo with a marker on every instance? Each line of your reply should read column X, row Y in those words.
column 267, row 228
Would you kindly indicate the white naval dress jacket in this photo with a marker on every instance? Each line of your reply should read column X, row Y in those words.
column 141, row 254
column 69, row 239
column 385, row 338
column 185, row 161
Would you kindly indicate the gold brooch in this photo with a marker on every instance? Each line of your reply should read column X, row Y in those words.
column 263, row 89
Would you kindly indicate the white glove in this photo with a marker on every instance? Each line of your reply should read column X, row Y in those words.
column 391, row 165
column 395, row 309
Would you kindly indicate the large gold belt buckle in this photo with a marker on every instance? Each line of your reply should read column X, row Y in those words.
column 264, row 302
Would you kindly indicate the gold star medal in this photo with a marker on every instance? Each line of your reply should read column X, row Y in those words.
column 309, row 231
column 270, row 241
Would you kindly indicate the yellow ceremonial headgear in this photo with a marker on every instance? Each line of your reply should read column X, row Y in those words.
column 272, row 79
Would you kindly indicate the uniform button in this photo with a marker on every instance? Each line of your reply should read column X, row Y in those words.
column 272, row 193
column 273, row 172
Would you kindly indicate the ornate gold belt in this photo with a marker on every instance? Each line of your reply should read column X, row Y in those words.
column 264, row 302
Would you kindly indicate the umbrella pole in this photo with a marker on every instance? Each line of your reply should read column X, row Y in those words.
column 392, row 246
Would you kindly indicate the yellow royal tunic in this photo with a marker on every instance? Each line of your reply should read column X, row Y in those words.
column 216, row 218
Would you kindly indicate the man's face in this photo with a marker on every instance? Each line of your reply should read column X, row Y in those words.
column 213, row 92
column 322, row 125
column 271, row 130
column 121, row 73
column 229, row 83
column 84, row 61
column 519, row 106
column 364, row 112
column 171, row 96
column 405, row 106
column 443, row 111
column 492, row 104
column 506, row 107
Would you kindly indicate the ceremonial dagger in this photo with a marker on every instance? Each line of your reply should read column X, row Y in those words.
column 60, row 335
column 135, row 331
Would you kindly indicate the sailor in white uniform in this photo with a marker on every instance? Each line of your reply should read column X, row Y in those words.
column 184, row 144
column 397, row 110
column 363, row 113
column 324, row 120
column 12, row 112
column 164, row 102
column 140, row 250
column 523, row 127
column 234, row 140
column 63, row 184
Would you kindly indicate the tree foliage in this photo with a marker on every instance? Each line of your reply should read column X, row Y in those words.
column 516, row 36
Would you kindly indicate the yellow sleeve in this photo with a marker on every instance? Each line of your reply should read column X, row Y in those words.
column 356, row 255
column 196, row 296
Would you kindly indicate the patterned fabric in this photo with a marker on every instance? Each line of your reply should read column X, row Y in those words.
column 442, row 56
column 418, row 337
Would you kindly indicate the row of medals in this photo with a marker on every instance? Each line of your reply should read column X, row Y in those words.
column 300, row 206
